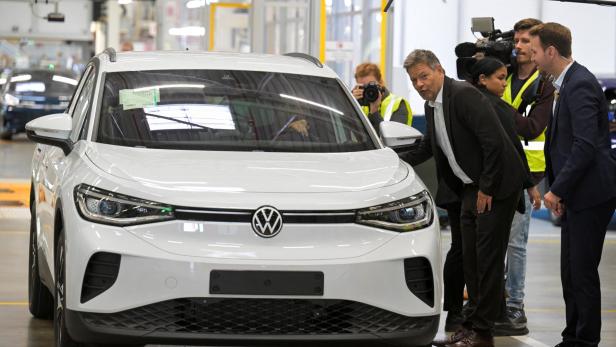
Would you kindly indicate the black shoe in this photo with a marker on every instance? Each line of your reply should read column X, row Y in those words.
column 513, row 323
column 506, row 328
column 453, row 338
column 516, row 315
column 453, row 322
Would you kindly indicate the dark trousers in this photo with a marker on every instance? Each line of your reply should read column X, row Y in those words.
column 453, row 272
column 484, row 240
column 582, row 236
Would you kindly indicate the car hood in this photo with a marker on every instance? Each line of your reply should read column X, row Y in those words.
column 258, row 172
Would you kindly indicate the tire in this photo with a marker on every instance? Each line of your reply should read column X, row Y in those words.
column 40, row 300
column 61, row 336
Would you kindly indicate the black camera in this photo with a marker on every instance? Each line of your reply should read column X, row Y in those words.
column 495, row 44
column 371, row 93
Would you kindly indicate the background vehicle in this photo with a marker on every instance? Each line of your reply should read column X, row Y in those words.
column 609, row 87
column 31, row 93
column 237, row 198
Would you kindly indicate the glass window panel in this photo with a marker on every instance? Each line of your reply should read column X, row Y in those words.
column 229, row 110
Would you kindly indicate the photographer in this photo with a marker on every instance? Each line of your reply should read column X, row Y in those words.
column 377, row 102
column 531, row 94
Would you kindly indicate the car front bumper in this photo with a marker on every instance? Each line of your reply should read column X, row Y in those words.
column 161, row 295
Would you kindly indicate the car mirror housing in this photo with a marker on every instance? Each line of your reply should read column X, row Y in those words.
column 53, row 130
column 396, row 135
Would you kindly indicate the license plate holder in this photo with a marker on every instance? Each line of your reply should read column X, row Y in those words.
column 304, row 283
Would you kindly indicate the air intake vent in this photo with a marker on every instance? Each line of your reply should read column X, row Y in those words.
column 419, row 279
column 276, row 317
column 101, row 274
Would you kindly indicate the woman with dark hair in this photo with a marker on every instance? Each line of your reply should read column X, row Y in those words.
column 489, row 75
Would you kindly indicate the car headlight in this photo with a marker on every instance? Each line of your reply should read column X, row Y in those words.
column 408, row 214
column 101, row 206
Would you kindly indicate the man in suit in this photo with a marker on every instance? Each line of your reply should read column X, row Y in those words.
column 479, row 164
column 582, row 178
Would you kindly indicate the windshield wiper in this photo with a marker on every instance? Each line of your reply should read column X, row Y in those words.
column 177, row 120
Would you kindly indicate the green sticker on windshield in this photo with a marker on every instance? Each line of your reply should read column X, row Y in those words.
column 139, row 98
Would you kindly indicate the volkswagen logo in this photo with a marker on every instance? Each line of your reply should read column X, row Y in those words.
column 267, row 221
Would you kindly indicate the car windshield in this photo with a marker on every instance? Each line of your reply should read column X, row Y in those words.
column 229, row 110
column 42, row 82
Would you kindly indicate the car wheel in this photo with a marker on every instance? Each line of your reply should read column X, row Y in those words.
column 555, row 219
column 40, row 299
column 60, row 332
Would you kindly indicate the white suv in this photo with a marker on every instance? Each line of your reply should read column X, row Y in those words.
column 190, row 197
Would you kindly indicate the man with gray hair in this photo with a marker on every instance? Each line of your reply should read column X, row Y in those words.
column 478, row 163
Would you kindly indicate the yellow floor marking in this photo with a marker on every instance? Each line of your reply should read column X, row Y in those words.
column 15, row 192
column 13, row 303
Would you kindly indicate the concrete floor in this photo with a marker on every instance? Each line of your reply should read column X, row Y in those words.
column 545, row 308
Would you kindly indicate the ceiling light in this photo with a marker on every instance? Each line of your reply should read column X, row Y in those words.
column 187, row 31
column 195, row 3
column 21, row 78
column 63, row 79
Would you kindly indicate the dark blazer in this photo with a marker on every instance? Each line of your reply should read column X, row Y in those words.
column 479, row 143
column 579, row 167
column 506, row 114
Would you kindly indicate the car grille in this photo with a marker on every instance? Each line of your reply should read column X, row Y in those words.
column 258, row 317
column 419, row 279
column 245, row 216
column 101, row 274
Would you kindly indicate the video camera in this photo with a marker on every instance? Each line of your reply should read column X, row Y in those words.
column 495, row 44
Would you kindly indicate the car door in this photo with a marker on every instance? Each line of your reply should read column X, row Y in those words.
column 54, row 163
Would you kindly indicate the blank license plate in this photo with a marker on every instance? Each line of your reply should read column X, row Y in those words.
column 266, row 282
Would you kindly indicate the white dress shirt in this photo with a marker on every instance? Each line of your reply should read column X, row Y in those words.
column 440, row 130
column 558, row 83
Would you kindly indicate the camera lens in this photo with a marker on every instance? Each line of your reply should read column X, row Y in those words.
column 371, row 92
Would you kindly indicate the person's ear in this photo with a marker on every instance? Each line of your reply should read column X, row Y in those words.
column 482, row 79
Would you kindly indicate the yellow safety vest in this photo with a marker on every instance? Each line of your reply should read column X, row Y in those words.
column 389, row 106
column 534, row 148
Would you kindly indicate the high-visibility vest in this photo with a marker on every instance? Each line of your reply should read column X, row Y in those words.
column 390, row 105
column 533, row 148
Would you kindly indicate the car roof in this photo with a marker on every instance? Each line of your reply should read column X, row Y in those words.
column 188, row 60
column 41, row 70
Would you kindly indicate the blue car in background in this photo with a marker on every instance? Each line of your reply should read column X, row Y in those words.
column 609, row 88
column 31, row 93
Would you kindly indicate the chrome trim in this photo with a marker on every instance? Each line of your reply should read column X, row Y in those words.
column 214, row 212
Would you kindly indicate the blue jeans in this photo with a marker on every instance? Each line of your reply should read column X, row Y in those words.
column 516, row 256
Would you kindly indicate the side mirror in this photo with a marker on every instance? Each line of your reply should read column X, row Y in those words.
column 53, row 130
column 395, row 135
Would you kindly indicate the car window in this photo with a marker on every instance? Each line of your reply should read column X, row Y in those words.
column 42, row 82
column 82, row 103
column 229, row 110
column 76, row 92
